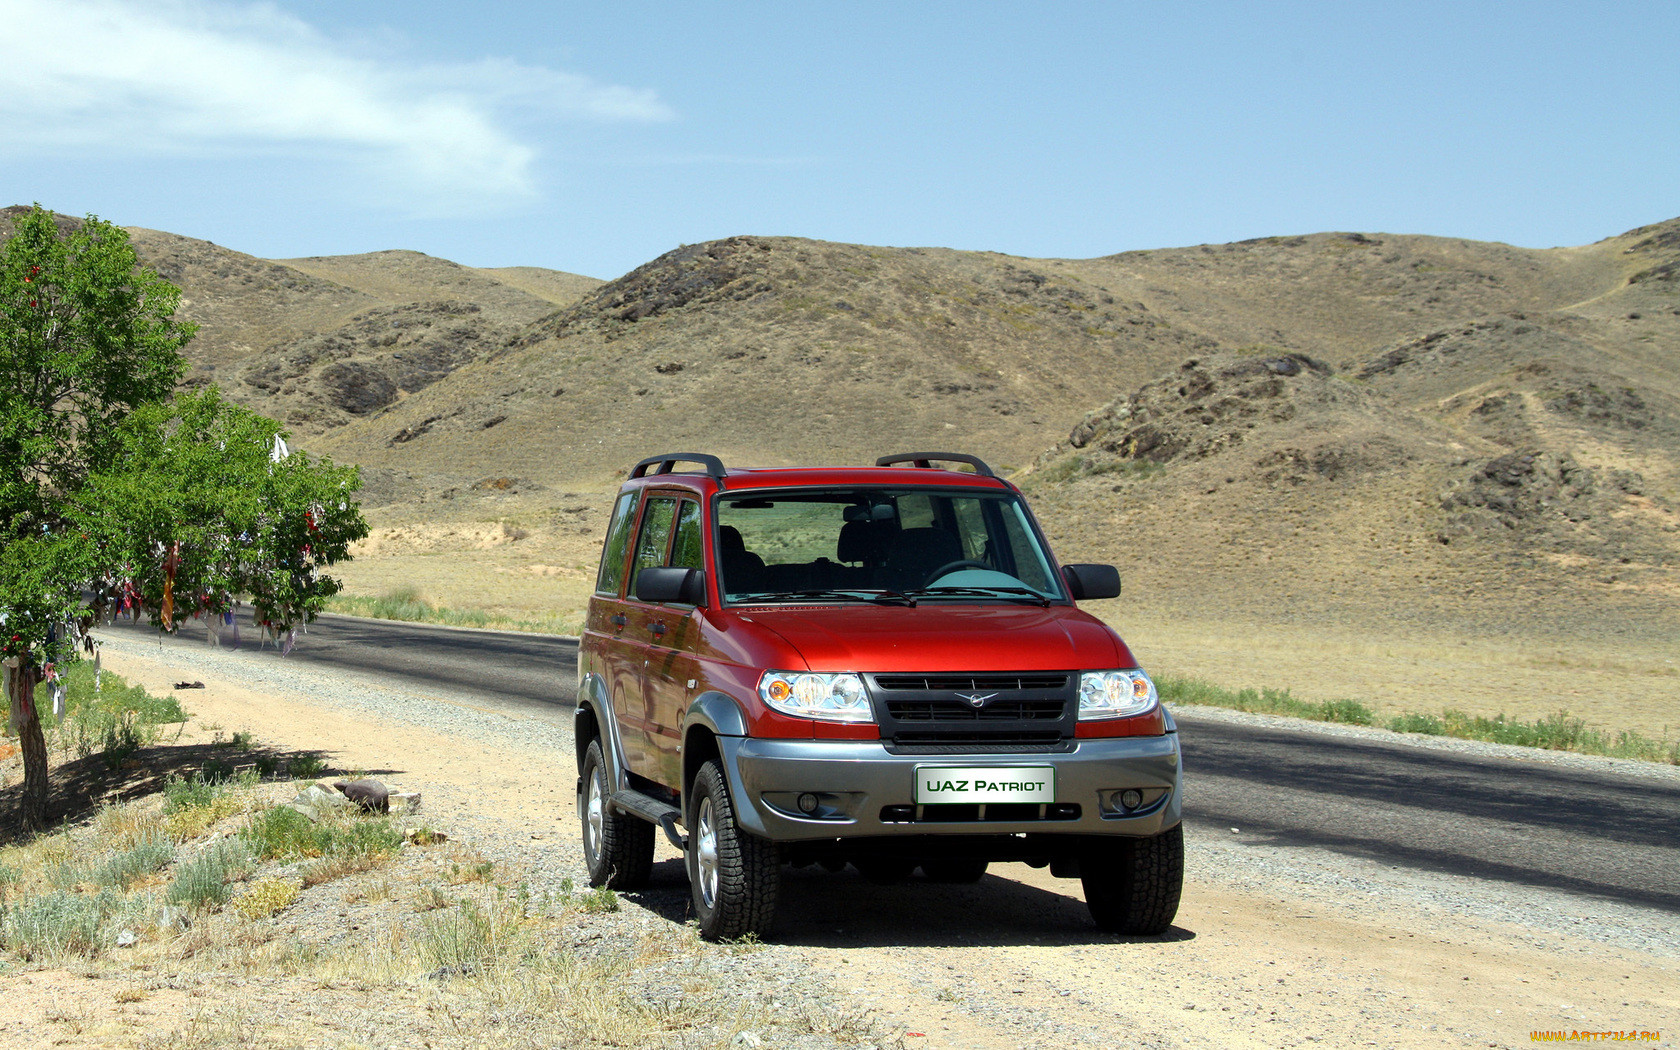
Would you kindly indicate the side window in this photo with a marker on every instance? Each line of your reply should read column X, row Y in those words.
column 686, row 552
column 655, row 538
column 618, row 541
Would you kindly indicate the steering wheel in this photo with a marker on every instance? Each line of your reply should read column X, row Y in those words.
column 950, row 567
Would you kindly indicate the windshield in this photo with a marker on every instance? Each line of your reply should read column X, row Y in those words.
column 897, row 545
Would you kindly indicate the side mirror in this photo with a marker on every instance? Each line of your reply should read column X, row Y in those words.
column 668, row 583
column 1092, row 581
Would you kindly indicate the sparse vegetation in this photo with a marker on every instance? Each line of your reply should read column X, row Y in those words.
column 1075, row 466
column 105, row 715
column 1558, row 732
column 202, row 882
column 1176, row 690
column 282, row 832
column 264, row 897
column 407, row 604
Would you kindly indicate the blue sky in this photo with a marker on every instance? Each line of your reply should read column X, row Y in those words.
column 591, row 138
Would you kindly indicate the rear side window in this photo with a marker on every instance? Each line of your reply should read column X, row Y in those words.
column 655, row 538
column 687, row 551
column 618, row 542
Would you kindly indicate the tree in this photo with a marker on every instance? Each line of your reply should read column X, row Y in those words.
column 105, row 483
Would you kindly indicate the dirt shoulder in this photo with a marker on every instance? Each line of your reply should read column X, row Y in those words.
column 1271, row 947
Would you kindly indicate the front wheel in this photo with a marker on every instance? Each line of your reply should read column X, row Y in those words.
column 734, row 876
column 1133, row 885
column 617, row 849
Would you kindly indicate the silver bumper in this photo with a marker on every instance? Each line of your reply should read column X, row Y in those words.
column 860, row 789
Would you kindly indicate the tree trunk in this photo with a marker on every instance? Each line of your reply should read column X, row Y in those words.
column 33, row 743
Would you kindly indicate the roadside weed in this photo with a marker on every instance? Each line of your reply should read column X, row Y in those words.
column 202, row 882
column 1558, row 732
column 264, row 897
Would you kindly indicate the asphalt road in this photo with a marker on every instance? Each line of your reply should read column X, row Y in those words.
column 1516, row 820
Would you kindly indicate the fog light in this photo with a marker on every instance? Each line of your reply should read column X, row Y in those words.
column 807, row 803
column 1131, row 798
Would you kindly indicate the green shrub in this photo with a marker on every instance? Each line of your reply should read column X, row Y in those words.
column 305, row 767
column 191, row 805
column 203, row 881
column 189, row 792
column 57, row 924
column 112, row 717
column 265, row 897
column 284, row 832
column 151, row 854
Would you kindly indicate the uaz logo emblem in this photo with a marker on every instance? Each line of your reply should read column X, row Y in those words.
column 976, row 699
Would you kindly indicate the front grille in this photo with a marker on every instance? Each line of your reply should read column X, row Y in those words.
column 949, row 683
column 1027, row 710
column 963, row 711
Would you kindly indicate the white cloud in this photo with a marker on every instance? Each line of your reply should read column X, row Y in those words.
column 203, row 77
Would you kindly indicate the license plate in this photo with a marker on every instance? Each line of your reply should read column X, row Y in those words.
column 983, row 784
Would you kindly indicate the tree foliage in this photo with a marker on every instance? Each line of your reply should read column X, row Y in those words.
column 199, row 487
column 177, row 505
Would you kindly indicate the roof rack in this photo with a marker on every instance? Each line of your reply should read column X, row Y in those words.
column 928, row 459
column 666, row 464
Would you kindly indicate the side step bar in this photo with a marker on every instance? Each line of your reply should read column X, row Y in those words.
column 653, row 811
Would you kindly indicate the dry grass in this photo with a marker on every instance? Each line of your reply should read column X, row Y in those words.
column 436, row 943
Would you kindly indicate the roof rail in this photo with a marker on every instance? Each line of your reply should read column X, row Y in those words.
column 928, row 459
column 666, row 464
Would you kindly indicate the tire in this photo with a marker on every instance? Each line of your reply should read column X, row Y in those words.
column 617, row 848
column 1133, row 885
column 734, row 877
column 954, row 869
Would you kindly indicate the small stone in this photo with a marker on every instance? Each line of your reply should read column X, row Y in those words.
column 749, row 1040
column 126, row 939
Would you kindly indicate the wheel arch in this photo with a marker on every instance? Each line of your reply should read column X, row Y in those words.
column 593, row 718
column 710, row 716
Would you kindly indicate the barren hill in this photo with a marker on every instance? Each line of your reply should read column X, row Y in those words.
column 1339, row 435
column 317, row 342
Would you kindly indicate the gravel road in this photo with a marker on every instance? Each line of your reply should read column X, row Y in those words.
column 1277, row 943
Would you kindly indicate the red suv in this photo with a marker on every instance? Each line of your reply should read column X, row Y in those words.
column 881, row 666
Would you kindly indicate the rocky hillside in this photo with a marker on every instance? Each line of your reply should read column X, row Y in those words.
column 775, row 350
column 318, row 342
column 1334, row 428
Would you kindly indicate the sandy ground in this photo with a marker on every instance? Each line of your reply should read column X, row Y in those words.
column 1260, row 956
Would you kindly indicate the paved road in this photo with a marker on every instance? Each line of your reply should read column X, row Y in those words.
column 1603, row 834
column 530, row 671
column 1512, row 820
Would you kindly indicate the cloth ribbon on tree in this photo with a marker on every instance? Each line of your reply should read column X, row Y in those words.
column 170, row 564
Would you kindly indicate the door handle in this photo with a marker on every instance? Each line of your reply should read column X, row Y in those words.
column 658, row 629
column 618, row 620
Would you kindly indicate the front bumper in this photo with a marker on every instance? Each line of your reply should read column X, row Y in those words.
column 863, row 790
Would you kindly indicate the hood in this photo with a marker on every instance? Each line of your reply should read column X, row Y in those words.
column 944, row 637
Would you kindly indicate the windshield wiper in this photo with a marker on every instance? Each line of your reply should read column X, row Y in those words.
column 878, row 597
column 1019, row 594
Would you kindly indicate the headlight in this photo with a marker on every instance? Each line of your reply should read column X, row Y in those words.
column 1115, row 694
column 836, row 697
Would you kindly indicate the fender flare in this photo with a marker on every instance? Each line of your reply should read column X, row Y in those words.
column 717, row 716
column 718, row 712
column 594, row 704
